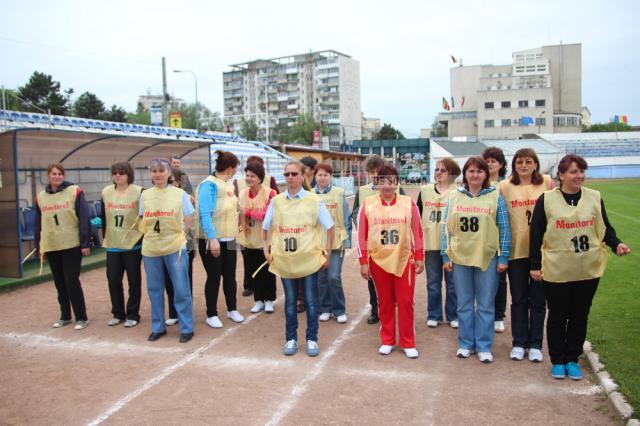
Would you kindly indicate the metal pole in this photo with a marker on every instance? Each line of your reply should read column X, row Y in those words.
column 165, row 95
column 266, row 99
column 197, row 104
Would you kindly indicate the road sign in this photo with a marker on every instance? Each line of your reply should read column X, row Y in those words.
column 175, row 119
column 156, row 115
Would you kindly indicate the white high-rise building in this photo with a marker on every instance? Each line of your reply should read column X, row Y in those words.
column 275, row 92
column 539, row 92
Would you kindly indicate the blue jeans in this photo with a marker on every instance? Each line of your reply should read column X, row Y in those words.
column 310, row 288
column 476, row 291
column 330, row 286
column 179, row 273
column 434, row 288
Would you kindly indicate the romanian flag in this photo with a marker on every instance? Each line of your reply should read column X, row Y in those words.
column 452, row 104
column 453, row 58
column 621, row 119
column 462, row 103
column 445, row 104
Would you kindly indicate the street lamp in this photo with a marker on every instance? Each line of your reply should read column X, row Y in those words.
column 539, row 121
column 195, row 77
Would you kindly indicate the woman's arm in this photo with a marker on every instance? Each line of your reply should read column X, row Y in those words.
column 504, row 231
column 418, row 238
column 536, row 234
column 84, row 222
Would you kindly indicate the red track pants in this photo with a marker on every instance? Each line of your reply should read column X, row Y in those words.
column 394, row 291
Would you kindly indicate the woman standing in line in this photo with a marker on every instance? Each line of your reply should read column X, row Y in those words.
column 166, row 215
column 332, row 301
column 476, row 243
column 296, row 218
column 62, row 234
column 497, row 172
column 569, row 229
column 217, row 228
column 121, row 203
column 520, row 192
column 431, row 203
column 253, row 201
column 391, row 254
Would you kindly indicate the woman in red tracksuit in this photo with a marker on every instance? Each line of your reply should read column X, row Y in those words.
column 391, row 254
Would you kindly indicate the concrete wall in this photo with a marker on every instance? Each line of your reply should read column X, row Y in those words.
column 350, row 112
column 566, row 76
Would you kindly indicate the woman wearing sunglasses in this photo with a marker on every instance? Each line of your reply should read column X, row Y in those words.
column 296, row 219
column 121, row 202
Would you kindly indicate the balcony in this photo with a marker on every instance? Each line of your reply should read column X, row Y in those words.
column 292, row 106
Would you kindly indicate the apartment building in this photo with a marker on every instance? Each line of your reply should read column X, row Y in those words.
column 275, row 92
column 539, row 92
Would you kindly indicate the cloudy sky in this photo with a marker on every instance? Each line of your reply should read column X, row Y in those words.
column 114, row 48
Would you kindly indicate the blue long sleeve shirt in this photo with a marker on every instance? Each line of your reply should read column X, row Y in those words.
column 502, row 219
column 207, row 195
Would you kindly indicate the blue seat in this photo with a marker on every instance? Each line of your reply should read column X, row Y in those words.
column 28, row 216
column 15, row 115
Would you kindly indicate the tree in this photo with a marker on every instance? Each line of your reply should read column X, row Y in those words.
column 607, row 127
column 115, row 113
column 302, row 131
column 43, row 92
column 11, row 101
column 88, row 105
column 389, row 132
column 208, row 120
column 248, row 130
column 140, row 116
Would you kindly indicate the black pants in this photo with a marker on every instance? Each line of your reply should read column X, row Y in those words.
column 117, row 264
column 264, row 284
column 527, row 306
column 65, row 268
column 501, row 296
column 569, row 304
column 373, row 297
column 169, row 286
column 222, row 266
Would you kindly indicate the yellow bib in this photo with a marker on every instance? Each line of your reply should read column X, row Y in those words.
column 389, row 240
column 162, row 221
column 334, row 201
column 121, row 214
column 296, row 242
column 520, row 201
column 572, row 247
column 266, row 183
column 433, row 205
column 225, row 213
column 472, row 229
column 250, row 234
column 59, row 229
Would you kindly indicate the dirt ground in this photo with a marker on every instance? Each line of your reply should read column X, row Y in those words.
column 238, row 375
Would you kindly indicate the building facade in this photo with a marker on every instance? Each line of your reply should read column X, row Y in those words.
column 370, row 127
column 276, row 92
column 539, row 92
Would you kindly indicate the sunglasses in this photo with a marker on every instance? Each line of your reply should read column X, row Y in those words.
column 440, row 170
column 119, row 173
column 292, row 174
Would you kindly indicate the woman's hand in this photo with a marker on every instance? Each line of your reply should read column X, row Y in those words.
column 536, row 275
column 214, row 247
column 448, row 266
column 419, row 266
column 622, row 249
column 502, row 267
column 364, row 271
column 86, row 251
column 327, row 263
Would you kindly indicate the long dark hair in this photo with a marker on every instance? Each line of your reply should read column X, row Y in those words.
column 497, row 154
column 479, row 163
column 536, row 177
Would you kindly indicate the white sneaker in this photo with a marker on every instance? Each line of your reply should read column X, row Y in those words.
column 463, row 353
column 171, row 321
column 411, row 352
column 61, row 323
column 432, row 323
column 454, row 324
column 498, row 326
column 235, row 316
column 385, row 349
column 113, row 321
column 268, row 306
column 258, row 307
column 130, row 323
column 485, row 357
column 517, row 353
column 81, row 325
column 324, row 316
column 214, row 322
column 342, row 319
column 535, row 355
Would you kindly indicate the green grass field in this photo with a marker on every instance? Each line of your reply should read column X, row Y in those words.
column 614, row 322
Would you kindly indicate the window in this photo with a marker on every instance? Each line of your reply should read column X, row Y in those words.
column 506, row 104
column 523, row 104
column 488, row 123
column 488, row 105
column 572, row 122
column 559, row 122
column 506, row 122
column 540, row 102
column 541, row 121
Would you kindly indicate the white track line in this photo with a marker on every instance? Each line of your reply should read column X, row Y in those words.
column 215, row 362
column 383, row 374
column 119, row 405
column 622, row 215
column 98, row 347
column 314, row 372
